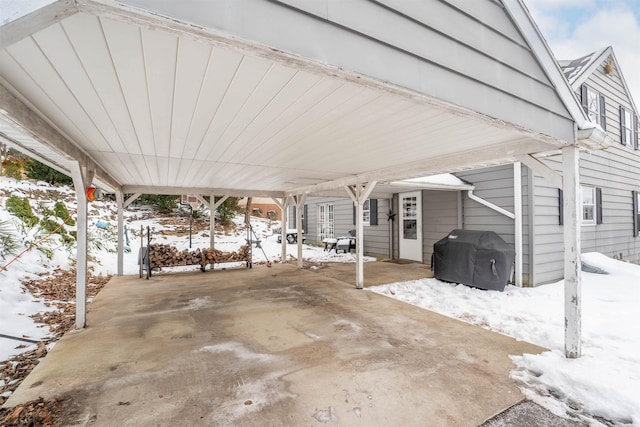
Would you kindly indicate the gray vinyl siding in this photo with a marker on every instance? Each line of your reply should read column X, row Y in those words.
column 496, row 186
column 428, row 46
column 615, row 170
column 439, row 217
column 376, row 237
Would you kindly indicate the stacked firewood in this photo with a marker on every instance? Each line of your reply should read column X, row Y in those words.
column 164, row 255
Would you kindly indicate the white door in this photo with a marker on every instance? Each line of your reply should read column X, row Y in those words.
column 410, row 226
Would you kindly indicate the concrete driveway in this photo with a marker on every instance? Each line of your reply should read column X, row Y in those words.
column 277, row 346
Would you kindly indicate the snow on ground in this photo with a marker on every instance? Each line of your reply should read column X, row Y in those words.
column 604, row 382
column 17, row 304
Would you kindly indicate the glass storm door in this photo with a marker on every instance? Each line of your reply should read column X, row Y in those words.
column 410, row 226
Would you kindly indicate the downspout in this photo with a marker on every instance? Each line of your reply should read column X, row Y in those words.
column 513, row 217
column 490, row 205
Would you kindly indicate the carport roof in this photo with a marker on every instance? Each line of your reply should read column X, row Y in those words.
column 156, row 104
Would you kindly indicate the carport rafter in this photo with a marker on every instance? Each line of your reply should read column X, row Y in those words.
column 22, row 117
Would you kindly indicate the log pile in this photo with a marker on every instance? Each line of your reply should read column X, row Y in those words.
column 164, row 255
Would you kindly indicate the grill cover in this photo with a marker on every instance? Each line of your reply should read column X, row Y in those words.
column 475, row 258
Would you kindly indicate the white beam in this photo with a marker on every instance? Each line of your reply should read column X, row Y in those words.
column 283, row 228
column 202, row 200
column 553, row 177
column 199, row 190
column 517, row 211
column 493, row 156
column 572, row 285
column 119, row 203
column 299, row 202
column 81, row 180
column 40, row 18
column 27, row 121
column 131, row 199
column 218, row 203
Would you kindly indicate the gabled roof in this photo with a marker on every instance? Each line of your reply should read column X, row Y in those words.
column 573, row 69
column 206, row 98
column 577, row 71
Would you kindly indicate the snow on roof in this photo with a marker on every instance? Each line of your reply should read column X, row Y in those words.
column 573, row 68
column 442, row 179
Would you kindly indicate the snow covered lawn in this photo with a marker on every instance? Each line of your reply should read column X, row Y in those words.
column 604, row 382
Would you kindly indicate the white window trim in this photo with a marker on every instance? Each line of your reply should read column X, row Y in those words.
column 595, row 111
column 330, row 216
column 366, row 207
column 628, row 128
column 591, row 222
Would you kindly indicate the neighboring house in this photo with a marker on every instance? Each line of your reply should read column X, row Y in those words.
column 610, row 193
column 263, row 207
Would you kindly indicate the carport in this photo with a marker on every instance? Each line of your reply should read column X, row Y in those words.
column 285, row 99
column 194, row 349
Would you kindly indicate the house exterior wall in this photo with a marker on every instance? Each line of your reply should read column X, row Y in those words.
column 439, row 217
column 616, row 171
column 427, row 46
column 496, row 186
column 376, row 237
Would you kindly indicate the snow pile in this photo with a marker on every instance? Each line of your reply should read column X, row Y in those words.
column 603, row 382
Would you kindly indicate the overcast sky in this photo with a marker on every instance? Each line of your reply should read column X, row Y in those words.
column 574, row 28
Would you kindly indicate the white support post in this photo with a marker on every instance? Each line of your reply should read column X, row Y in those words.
column 212, row 221
column 283, row 204
column 359, row 194
column 517, row 212
column 299, row 202
column 572, row 286
column 213, row 205
column 120, row 203
column 81, row 180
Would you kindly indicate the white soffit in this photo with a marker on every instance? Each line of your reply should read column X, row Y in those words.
column 171, row 111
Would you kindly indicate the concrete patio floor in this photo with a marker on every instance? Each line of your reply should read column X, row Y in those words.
column 277, row 346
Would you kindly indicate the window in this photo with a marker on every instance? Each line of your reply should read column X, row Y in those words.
column 410, row 217
column 588, row 201
column 326, row 227
column 369, row 212
column 628, row 136
column 591, row 202
column 594, row 105
column 366, row 212
column 292, row 219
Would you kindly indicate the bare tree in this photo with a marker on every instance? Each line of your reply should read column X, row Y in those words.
column 247, row 212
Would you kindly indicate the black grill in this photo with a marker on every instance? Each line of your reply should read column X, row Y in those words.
column 474, row 258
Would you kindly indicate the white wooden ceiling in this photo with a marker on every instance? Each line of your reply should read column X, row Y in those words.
column 164, row 111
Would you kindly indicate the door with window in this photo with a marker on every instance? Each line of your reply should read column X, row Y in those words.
column 325, row 221
column 410, row 238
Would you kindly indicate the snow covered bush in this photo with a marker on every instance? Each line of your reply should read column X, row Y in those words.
column 21, row 208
